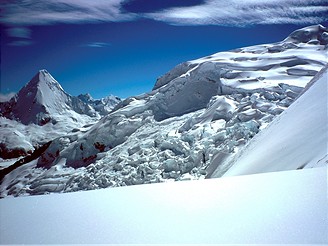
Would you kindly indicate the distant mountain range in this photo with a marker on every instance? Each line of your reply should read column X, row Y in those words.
column 197, row 120
column 43, row 100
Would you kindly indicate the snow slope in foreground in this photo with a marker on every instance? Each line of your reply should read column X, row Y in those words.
column 298, row 138
column 282, row 207
column 200, row 113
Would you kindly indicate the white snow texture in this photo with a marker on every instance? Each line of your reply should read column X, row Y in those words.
column 195, row 123
column 257, row 110
column 296, row 139
column 273, row 208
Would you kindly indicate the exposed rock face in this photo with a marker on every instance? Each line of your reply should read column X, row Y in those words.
column 41, row 111
column 41, row 100
column 103, row 106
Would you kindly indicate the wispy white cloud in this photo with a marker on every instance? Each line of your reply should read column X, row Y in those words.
column 6, row 97
column 19, row 32
column 241, row 13
column 97, row 45
column 211, row 12
column 20, row 43
column 22, row 36
column 31, row 12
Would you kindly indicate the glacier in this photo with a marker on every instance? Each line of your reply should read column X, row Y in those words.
column 196, row 121
column 282, row 146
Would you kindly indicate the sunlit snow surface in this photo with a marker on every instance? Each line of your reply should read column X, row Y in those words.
column 296, row 139
column 284, row 207
column 42, row 111
column 199, row 115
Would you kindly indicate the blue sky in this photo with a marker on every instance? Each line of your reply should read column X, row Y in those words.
column 120, row 47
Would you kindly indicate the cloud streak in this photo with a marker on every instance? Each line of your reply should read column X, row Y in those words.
column 19, row 32
column 20, row 43
column 211, row 12
column 243, row 13
column 97, row 45
column 30, row 12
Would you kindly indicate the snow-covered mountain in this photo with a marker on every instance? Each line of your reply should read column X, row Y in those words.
column 103, row 106
column 43, row 100
column 198, row 115
column 42, row 111
column 296, row 139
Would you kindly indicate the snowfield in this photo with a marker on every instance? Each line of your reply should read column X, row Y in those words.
column 274, row 208
column 296, row 139
column 192, row 125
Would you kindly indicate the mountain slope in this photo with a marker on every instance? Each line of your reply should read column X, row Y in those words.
column 42, row 111
column 103, row 106
column 43, row 100
column 273, row 208
column 196, row 88
column 298, row 138
column 201, row 112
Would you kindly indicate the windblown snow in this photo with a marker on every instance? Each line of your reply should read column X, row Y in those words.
column 195, row 120
column 296, row 139
column 272, row 208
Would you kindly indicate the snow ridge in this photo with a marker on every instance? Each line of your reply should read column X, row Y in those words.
column 103, row 106
column 41, row 100
column 43, row 108
column 198, row 116
column 282, row 145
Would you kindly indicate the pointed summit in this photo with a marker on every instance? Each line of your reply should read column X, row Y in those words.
column 43, row 73
column 43, row 81
column 37, row 100
column 42, row 100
